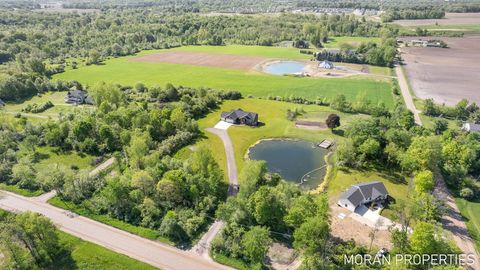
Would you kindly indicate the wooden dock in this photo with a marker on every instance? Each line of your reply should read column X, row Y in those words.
column 325, row 144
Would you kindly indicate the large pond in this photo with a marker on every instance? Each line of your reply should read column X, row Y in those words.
column 284, row 67
column 300, row 162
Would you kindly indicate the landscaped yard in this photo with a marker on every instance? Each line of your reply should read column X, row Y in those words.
column 124, row 71
column 55, row 97
column 273, row 115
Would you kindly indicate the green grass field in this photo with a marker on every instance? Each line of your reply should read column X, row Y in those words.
column 89, row 256
column 273, row 114
column 255, row 83
column 51, row 155
column 471, row 213
column 334, row 42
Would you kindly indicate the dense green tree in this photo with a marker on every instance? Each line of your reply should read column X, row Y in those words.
column 256, row 242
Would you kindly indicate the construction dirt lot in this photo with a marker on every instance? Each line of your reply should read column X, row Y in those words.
column 204, row 59
column 445, row 74
column 450, row 19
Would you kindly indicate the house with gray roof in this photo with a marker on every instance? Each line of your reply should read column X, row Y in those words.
column 326, row 64
column 363, row 193
column 471, row 127
column 78, row 97
column 240, row 117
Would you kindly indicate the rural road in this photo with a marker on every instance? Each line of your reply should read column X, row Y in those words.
column 453, row 221
column 203, row 246
column 407, row 96
column 156, row 254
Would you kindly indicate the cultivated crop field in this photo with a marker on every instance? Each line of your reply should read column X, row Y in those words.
column 250, row 82
column 446, row 75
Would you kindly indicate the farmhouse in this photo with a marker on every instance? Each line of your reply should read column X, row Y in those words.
column 471, row 127
column 78, row 97
column 326, row 64
column 240, row 116
column 363, row 193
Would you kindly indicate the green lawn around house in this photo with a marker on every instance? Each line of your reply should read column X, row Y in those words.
column 471, row 213
column 396, row 185
column 60, row 107
column 87, row 212
column 89, row 256
column 122, row 70
column 21, row 191
column 273, row 115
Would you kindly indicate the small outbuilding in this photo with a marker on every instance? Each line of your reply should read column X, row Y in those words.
column 363, row 193
column 326, row 65
column 240, row 117
column 471, row 127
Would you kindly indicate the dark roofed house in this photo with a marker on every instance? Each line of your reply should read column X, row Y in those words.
column 78, row 97
column 240, row 116
column 362, row 193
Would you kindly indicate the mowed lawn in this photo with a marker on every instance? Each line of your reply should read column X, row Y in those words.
column 273, row 115
column 122, row 70
column 334, row 42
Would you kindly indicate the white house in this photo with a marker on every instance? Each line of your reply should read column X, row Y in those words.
column 471, row 127
column 326, row 65
column 362, row 193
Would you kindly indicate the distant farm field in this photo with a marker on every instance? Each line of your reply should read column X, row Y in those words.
column 450, row 19
column 250, row 82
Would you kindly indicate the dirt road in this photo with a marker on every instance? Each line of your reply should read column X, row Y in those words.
column 453, row 221
column 407, row 96
column 153, row 253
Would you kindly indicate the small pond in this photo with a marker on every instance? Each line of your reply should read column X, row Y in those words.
column 300, row 162
column 284, row 67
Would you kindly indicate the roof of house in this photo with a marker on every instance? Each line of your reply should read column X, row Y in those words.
column 326, row 63
column 238, row 114
column 472, row 127
column 77, row 94
column 360, row 192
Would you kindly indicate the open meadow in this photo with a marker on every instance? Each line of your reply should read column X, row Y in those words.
column 127, row 71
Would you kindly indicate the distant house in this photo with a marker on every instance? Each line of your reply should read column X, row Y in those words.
column 2, row 103
column 78, row 97
column 326, row 65
column 363, row 193
column 471, row 127
column 240, row 116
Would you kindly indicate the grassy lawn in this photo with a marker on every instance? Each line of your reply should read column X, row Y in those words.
column 55, row 97
column 86, row 212
column 461, row 28
column 471, row 212
column 89, row 256
column 396, row 185
column 334, row 42
column 273, row 115
column 51, row 155
column 258, row 84
column 20, row 191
